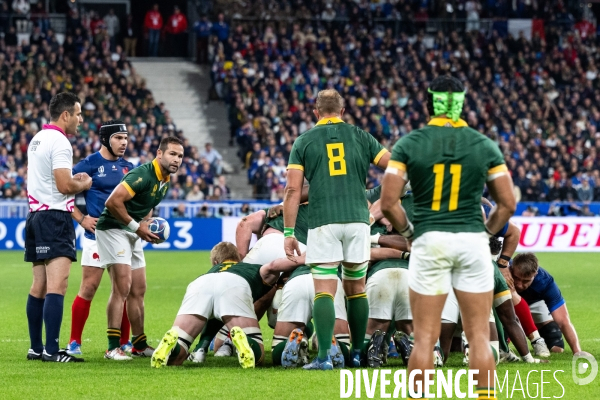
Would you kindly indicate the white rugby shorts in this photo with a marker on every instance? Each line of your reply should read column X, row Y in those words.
column 267, row 249
column 90, row 257
column 339, row 242
column 387, row 291
column 118, row 246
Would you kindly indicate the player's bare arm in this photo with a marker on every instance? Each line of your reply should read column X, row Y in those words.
column 291, row 202
column 393, row 242
column 378, row 254
column 246, row 227
column 391, row 190
column 88, row 223
column 501, row 190
column 270, row 272
column 509, row 246
column 561, row 317
column 70, row 185
column 116, row 205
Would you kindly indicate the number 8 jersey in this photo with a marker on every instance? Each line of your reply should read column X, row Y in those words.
column 447, row 164
column 335, row 158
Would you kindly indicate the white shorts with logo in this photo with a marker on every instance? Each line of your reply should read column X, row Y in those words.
column 267, row 249
column 339, row 242
column 90, row 257
column 387, row 291
column 451, row 311
column 218, row 295
column 540, row 312
column 117, row 246
column 440, row 261
column 298, row 298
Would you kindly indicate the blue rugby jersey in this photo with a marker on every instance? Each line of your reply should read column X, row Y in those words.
column 106, row 175
column 543, row 288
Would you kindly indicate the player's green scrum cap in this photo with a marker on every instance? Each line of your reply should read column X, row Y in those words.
column 446, row 97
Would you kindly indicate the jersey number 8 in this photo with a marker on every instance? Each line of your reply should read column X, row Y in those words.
column 455, row 171
column 333, row 159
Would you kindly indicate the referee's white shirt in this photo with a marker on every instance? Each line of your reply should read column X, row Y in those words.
column 48, row 150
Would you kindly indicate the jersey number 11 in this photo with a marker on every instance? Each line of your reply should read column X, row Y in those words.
column 455, row 171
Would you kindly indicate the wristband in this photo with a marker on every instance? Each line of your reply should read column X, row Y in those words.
column 528, row 358
column 409, row 231
column 505, row 258
column 288, row 232
column 133, row 225
column 82, row 218
column 375, row 238
column 405, row 255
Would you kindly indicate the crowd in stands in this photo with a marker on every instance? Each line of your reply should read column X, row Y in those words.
column 109, row 88
column 538, row 98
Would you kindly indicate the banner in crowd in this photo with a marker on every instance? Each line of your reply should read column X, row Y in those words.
column 538, row 234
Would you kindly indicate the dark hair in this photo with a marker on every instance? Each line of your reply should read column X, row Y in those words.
column 443, row 83
column 62, row 102
column 164, row 143
column 526, row 263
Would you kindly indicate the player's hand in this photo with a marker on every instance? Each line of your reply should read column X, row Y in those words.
column 144, row 233
column 89, row 223
column 85, row 179
column 583, row 354
column 292, row 248
column 508, row 278
column 275, row 211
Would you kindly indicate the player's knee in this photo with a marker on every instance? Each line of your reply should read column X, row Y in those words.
column 552, row 335
column 324, row 271
column 355, row 275
column 88, row 290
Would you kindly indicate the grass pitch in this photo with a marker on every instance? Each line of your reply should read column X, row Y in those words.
column 168, row 275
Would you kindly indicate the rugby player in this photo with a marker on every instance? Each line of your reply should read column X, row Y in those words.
column 548, row 308
column 106, row 167
column 448, row 165
column 119, row 232
column 335, row 158
column 227, row 292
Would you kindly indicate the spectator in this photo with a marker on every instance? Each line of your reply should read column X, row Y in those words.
column 195, row 194
column 217, row 194
column 531, row 211
column 206, row 173
column 39, row 16
column 213, row 157
column 222, row 184
column 202, row 29
column 568, row 192
column 130, row 36
column 586, row 212
column 221, row 28
column 203, row 212
column 179, row 211
column 245, row 210
column 585, row 192
column 21, row 9
column 177, row 33
column 111, row 21
column 153, row 23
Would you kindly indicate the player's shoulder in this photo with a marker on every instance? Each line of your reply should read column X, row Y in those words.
column 126, row 164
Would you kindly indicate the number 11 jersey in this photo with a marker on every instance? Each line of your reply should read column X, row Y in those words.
column 335, row 158
column 447, row 164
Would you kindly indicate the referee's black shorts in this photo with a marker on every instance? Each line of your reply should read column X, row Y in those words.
column 49, row 234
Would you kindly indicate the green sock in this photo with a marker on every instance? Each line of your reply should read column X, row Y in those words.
column 309, row 329
column 358, row 317
column 209, row 332
column 277, row 352
column 114, row 337
column 176, row 350
column 139, row 342
column 390, row 332
column 258, row 354
column 324, row 317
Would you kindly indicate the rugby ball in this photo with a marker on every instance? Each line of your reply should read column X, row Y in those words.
column 160, row 227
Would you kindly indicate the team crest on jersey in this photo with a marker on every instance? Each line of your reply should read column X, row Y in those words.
column 125, row 170
column 101, row 173
column 139, row 180
column 114, row 167
column 154, row 190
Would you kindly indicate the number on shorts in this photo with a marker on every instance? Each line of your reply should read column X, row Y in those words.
column 455, row 171
column 333, row 159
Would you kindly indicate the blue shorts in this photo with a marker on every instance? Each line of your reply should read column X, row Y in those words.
column 49, row 234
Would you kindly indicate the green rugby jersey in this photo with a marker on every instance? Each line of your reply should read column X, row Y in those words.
column 145, row 184
column 335, row 158
column 386, row 264
column 301, row 270
column 301, row 229
column 447, row 164
column 407, row 202
column 374, row 194
column 500, row 286
column 250, row 273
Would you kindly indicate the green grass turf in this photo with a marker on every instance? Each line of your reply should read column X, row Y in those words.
column 168, row 276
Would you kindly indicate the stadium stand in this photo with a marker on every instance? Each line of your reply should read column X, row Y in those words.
column 536, row 97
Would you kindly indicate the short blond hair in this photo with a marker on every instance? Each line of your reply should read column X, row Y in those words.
column 329, row 101
column 224, row 251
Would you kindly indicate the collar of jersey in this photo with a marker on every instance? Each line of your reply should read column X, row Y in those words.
column 332, row 120
column 439, row 121
column 158, row 172
column 56, row 128
column 229, row 262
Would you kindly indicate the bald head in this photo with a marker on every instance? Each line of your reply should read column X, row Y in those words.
column 329, row 102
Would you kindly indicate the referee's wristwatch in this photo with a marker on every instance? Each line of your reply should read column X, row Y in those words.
column 503, row 261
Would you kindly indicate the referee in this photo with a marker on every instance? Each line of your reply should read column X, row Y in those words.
column 49, row 231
